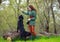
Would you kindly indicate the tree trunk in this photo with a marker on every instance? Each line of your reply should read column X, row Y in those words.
column 55, row 31
column 27, row 2
column 59, row 3
column 0, row 1
column 46, row 11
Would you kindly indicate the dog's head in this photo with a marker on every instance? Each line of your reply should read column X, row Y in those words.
column 21, row 17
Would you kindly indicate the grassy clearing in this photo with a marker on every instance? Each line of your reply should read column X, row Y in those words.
column 38, row 39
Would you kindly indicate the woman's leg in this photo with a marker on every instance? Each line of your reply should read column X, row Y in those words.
column 32, row 29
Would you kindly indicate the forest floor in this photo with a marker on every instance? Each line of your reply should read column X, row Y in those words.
column 38, row 39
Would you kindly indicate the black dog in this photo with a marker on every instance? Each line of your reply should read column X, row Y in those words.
column 20, row 28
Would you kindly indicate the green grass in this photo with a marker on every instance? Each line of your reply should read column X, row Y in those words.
column 38, row 39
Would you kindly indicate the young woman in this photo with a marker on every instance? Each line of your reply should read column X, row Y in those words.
column 32, row 17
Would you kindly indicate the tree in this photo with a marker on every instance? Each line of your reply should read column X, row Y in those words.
column 0, row 1
column 46, row 14
column 55, row 31
column 59, row 3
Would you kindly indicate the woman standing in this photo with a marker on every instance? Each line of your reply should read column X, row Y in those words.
column 32, row 17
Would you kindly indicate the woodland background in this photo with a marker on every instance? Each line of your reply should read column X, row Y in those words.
column 48, row 15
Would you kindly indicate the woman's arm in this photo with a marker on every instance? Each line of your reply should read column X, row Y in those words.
column 26, row 13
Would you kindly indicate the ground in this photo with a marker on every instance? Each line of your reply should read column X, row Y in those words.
column 38, row 39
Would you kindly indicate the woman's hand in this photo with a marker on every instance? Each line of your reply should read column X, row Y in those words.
column 21, row 9
column 29, row 19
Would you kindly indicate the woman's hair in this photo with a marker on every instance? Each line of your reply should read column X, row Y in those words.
column 32, row 8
